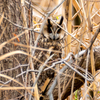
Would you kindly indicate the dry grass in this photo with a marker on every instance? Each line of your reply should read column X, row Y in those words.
column 21, row 26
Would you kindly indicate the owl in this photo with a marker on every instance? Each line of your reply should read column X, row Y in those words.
column 52, row 38
column 52, row 31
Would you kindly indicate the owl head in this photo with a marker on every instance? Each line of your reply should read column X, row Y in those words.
column 52, row 31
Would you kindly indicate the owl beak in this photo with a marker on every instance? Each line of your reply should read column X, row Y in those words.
column 54, row 37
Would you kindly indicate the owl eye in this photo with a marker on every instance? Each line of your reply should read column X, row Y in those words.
column 59, row 30
column 49, row 30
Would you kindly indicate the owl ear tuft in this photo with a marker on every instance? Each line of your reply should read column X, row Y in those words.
column 49, row 23
column 61, row 20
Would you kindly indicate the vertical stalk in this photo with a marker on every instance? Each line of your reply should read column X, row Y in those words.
column 29, row 50
column 69, row 26
column 93, row 70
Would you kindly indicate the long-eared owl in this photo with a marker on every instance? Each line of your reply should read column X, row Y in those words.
column 52, row 39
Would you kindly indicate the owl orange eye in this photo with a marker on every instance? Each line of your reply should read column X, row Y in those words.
column 59, row 30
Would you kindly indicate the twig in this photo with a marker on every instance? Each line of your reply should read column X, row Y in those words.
column 64, row 61
column 92, row 41
column 56, row 7
column 27, row 72
column 58, row 62
column 63, row 69
column 40, row 70
column 30, row 29
column 1, row 82
column 34, row 8
column 51, row 97
column 89, row 79
column 86, row 72
column 81, row 69
column 18, row 76
column 14, row 68
column 69, row 34
column 55, row 81
column 41, row 30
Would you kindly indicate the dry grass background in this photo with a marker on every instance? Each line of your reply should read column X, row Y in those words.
column 21, row 23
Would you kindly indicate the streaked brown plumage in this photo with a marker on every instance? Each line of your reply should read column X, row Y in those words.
column 52, row 39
